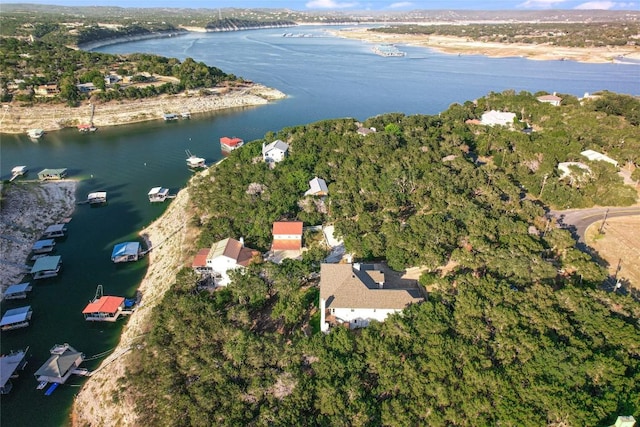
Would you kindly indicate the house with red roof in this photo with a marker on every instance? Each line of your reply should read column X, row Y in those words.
column 554, row 99
column 226, row 255
column 104, row 309
column 230, row 144
column 287, row 236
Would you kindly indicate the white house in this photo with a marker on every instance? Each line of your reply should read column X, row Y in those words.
column 356, row 294
column 493, row 118
column 228, row 254
column 317, row 187
column 565, row 169
column 595, row 156
column 550, row 99
column 275, row 152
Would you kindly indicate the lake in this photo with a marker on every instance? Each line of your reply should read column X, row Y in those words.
column 323, row 76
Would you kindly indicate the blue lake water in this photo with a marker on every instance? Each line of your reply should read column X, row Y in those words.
column 323, row 76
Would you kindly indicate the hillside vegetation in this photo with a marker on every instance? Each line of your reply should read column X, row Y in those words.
column 515, row 331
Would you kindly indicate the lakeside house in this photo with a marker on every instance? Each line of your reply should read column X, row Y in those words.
column 227, row 255
column 497, row 118
column 52, row 174
column 9, row 365
column 16, row 318
column 18, row 291
column 550, row 99
column 595, row 156
column 59, row 367
column 46, row 91
column 275, row 152
column 317, row 187
column 45, row 267
column 356, row 294
column 126, row 252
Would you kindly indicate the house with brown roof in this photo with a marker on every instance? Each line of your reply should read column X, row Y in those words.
column 228, row 254
column 356, row 294
column 287, row 236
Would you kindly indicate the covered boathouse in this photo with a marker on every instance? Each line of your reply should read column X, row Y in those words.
column 59, row 367
column 48, row 174
column 125, row 252
column 55, row 230
column 47, row 266
column 18, row 291
column 9, row 364
column 104, row 309
column 16, row 318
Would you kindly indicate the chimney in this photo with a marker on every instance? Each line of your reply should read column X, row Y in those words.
column 242, row 241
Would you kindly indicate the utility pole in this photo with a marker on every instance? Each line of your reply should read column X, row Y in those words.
column 604, row 220
column 544, row 181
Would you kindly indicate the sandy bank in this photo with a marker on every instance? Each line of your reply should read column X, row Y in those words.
column 27, row 209
column 17, row 119
column 104, row 399
column 463, row 46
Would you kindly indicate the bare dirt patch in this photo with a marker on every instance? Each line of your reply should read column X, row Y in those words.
column 619, row 244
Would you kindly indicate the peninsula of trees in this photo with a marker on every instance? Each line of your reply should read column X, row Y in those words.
column 516, row 329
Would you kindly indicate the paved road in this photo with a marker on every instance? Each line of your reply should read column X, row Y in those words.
column 579, row 219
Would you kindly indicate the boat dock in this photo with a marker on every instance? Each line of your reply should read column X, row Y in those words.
column 17, row 171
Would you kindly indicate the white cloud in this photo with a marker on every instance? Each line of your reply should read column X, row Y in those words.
column 400, row 5
column 605, row 5
column 540, row 4
column 329, row 4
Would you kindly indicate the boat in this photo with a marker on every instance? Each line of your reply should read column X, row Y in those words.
column 158, row 194
column 195, row 162
column 16, row 318
column 387, row 50
column 10, row 364
column 55, row 230
column 230, row 144
column 97, row 197
column 17, row 171
column 43, row 246
column 169, row 117
column 86, row 128
column 185, row 115
column 35, row 133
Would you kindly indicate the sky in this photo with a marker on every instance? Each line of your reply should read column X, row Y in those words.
column 346, row 5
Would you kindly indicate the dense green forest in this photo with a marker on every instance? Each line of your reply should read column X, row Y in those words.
column 516, row 330
column 38, row 63
column 583, row 34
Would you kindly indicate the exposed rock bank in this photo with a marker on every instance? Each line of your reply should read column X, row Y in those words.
column 17, row 119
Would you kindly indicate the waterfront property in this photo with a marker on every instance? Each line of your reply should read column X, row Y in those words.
column 55, row 230
column 16, row 318
column 126, row 252
column 18, row 291
column 104, row 309
column 52, row 174
column 97, row 197
column 9, row 365
column 158, row 194
column 550, row 99
column 317, row 187
column 43, row 246
column 356, row 294
column 275, row 152
column 230, row 144
column 387, row 50
column 86, row 128
column 47, row 266
column 169, row 117
column 59, row 367
column 497, row 118
column 225, row 255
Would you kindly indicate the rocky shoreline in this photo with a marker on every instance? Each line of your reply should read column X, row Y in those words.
column 28, row 208
column 18, row 118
